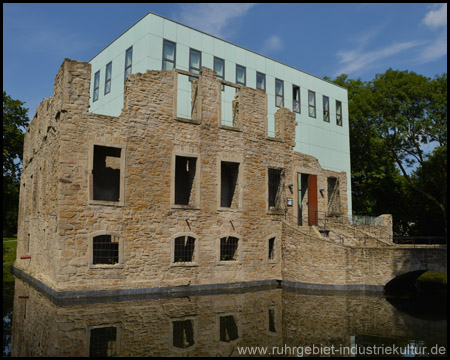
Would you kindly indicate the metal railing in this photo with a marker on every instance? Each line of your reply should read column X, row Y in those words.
column 420, row 240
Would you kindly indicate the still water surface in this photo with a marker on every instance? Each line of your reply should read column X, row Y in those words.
column 267, row 322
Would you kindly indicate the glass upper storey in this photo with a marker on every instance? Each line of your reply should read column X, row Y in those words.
column 156, row 43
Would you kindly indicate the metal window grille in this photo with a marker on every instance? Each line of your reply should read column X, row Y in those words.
column 105, row 250
column 228, row 328
column 103, row 342
column 271, row 249
column 228, row 248
column 184, row 249
column 183, row 334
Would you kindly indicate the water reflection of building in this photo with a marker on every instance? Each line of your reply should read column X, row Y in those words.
column 209, row 325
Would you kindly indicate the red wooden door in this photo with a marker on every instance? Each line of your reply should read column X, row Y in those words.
column 312, row 200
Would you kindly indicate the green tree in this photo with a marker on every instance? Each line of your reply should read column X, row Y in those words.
column 410, row 113
column 15, row 120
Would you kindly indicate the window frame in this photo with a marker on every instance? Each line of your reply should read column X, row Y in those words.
column 339, row 115
column 174, row 61
column 90, row 190
column 194, row 262
column 312, row 106
column 282, row 93
column 108, row 80
column 264, row 77
column 294, row 87
column 245, row 75
column 128, row 66
column 191, row 68
column 96, row 92
column 326, row 110
column 91, row 238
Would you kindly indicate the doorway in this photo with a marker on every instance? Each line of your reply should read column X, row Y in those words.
column 307, row 199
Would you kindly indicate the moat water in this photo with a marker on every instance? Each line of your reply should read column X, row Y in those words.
column 254, row 322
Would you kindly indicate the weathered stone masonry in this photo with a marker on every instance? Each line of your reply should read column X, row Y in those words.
column 175, row 201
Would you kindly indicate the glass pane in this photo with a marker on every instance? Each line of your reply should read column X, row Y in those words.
column 312, row 98
column 296, row 94
column 195, row 59
column 278, row 101
column 128, row 57
column 218, row 67
column 338, row 108
column 326, row 104
column 167, row 65
column 296, row 106
column 107, row 87
column 312, row 111
column 169, row 51
column 108, row 71
column 279, row 87
column 240, row 75
column 127, row 72
column 260, row 81
column 96, row 79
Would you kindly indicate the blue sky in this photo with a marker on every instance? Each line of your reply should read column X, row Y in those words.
column 360, row 40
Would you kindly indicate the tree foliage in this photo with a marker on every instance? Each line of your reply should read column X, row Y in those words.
column 15, row 120
column 394, row 120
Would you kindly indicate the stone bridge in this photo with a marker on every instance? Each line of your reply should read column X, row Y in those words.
column 314, row 261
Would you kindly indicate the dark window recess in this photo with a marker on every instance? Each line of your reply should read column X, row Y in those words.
column 106, row 173
column 184, row 249
column 271, row 249
column 228, row 248
column 103, row 342
column 105, row 251
column 275, row 188
column 183, row 334
column 228, row 328
column 184, row 179
column 229, row 174
column 272, row 320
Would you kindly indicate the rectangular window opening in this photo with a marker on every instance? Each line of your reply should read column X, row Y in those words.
column 312, row 103
column 169, row 55
column 272, row 320
column 185, row 168
column 219, row 68
column 229, row 192
column 106, row 173
column 108, row 78
column 96, row 85
column 326, row 109
column 275, row 189
column 183, row 334
column 195, row 63
column 228, row 328
column 261, row 81
column 103, row 342
column 338, row 113
column 128, row 61
column 334, row 199
column 240, row 75
column 279, row 93
column 105, row 250
column 228, row 248
column 184, row 249
column 272, row 249
column 296, row 99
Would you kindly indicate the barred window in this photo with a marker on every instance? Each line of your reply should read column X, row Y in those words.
column 106, row 250
column 228, row 248
column 184, row 249
column 103, row 342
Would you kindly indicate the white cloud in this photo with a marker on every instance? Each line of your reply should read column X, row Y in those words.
column 436, row 18
column 212, row 18
column 353, row 61
column 272, row 44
